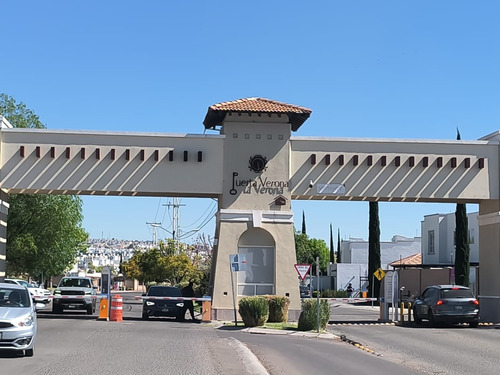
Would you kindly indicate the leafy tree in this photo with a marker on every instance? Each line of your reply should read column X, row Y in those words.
column 44, row 231
column 462, row 249
column 131, row 268
column 374, row 262
column 180, row 268
column 307, row 249
column 18, row 114
column 44, row 234
column 159, row 265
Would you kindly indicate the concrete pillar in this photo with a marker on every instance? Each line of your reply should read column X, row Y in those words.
column 232, row 225
column 489, row 260
column 4, row 210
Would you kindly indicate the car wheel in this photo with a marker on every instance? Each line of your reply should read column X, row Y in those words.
column 473, row 324
column 145, row 316
column 57, row 309
column 416, row 318
column 90, row 310
column 29, row 352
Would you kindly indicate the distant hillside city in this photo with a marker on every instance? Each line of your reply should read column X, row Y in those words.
column 110, row 252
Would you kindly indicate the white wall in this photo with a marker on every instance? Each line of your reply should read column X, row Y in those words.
column 443, row 226
column 354, row 257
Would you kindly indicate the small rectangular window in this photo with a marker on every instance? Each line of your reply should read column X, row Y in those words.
column 430, row 242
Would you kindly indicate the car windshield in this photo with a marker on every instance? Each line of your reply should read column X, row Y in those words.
column 164, row 291
column 456, row 293
column 24, row 283
column 82, row 283
column 14, row 297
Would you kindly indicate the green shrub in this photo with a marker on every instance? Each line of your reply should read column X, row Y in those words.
column 329, row 293
column 309, row 316
column 253, row 310
column 278, row 309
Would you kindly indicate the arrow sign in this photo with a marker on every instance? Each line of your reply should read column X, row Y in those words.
column 302, row 270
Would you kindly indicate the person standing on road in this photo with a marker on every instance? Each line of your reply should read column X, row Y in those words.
column 349, row 290
column 188, row 291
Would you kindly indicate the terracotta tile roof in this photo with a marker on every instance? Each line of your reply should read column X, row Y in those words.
column 415, row 259
column 216, row 113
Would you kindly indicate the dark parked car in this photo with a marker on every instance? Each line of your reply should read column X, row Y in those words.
column 158, row 305
column 305, row 291
column 447, row 304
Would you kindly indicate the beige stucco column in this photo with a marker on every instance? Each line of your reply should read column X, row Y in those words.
column 489, row 260
column 254, row 213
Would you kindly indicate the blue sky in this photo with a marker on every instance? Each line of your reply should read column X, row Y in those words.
column 376, row 69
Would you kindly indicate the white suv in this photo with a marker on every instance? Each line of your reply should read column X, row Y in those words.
column 37, row 294
column 74, row 293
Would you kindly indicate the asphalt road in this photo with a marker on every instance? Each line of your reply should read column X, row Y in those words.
column 452, row 349
column 74, row 343
column 283, row 355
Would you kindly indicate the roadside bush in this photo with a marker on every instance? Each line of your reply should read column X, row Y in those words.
column 329, row 293
column 253, row 310
column 278, row 309
column 309, row 316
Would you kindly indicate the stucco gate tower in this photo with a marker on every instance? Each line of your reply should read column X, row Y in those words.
column 255, row 168
column 254, row 215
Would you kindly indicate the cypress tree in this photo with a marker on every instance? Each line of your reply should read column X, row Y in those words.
column 332, row 255
column 303, row 222
column 462, row 249
column 374, row 262
column 339, row 257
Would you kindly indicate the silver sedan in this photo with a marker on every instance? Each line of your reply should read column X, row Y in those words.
column 17, row 319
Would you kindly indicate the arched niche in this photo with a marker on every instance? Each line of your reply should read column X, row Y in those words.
column 258, row 246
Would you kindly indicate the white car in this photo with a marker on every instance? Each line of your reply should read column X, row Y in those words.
column 37, row 294
column 17, row 319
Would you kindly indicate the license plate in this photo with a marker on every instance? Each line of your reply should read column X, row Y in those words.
column 458, row 307
column 164, row 310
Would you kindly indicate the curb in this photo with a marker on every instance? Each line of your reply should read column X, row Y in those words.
column 270, row 331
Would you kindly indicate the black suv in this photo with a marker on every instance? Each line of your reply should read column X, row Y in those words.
column 158, row 306
column 447, row 304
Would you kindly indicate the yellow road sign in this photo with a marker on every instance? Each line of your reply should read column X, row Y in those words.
column 379, row 274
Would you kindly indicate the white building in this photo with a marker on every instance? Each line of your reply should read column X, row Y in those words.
column 438, row 239
column 354, row 258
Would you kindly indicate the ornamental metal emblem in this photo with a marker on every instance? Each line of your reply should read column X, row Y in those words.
column 257, row 163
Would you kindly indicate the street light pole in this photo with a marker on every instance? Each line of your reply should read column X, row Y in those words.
column 155, row 233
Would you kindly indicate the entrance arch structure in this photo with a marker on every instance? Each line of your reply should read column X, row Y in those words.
column 255, row 168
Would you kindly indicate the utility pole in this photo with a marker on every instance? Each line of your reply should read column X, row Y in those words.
column 175, row 221
column 155, row 232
